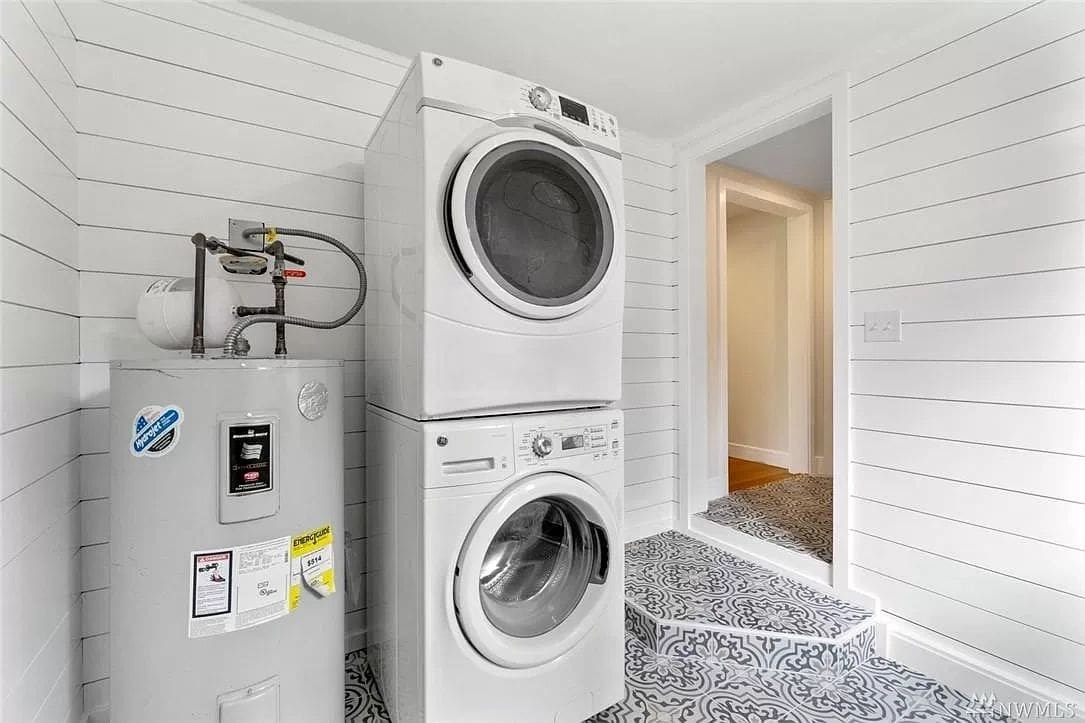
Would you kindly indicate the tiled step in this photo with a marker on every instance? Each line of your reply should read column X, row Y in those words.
column 688, row 599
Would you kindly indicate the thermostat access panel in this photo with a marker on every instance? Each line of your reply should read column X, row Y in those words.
column 248, row 465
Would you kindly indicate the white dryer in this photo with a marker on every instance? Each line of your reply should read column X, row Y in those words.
column 495, row 246
column 495, row 566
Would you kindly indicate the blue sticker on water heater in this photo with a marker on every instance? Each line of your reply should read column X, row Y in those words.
column 156, row 430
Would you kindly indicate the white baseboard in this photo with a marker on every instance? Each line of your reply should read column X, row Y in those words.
column 715, row 488
column 98, row 715
column 822, row 468
column 758, row 454
column 355, row 639
column 974, row 672
column 649, row 521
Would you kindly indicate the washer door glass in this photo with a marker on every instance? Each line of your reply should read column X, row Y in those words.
column 539, row 223
column 538, row 566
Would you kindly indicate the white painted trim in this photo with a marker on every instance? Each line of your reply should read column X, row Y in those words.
column 969, row 670
column 775, row 457
column 823, row 463
column 650, row 527
column 762, row 120
column 800, row 324
column 780, row 559
column 841, row 281
column 739, row 544
column 844, row 637
column 98, row 715
column 355, row 639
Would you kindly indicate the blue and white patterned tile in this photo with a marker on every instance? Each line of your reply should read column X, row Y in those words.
column 665, row 688
column 837, row 616
column 780, row 613
column 789, row 655
column 881, row 691
column 676, row 578
column 363, row 698
column 946, row 703
column 859, row 648
column 752, row 696
column 795, row 512
column 641, row 626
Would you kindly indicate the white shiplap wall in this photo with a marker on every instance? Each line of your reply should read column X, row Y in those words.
column 968, row 437
column 192, row 113
column 650, row 351
column 39, row 373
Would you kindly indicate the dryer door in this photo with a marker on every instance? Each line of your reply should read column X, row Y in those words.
column 533, row 223
column 530, row 579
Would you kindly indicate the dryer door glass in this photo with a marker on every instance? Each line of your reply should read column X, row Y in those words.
column 539, row 223
column 538, row 565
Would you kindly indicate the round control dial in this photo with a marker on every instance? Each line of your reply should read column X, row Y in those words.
column 540, row 97
column 542, row 446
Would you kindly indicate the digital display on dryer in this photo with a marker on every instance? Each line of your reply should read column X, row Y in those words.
column 575, row 441
column 574, row 110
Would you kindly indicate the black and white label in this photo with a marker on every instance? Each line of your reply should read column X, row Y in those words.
column 250, row 458
column 212, row 588
column 238, row 587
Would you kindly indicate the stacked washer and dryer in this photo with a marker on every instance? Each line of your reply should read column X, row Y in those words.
column 495, row 247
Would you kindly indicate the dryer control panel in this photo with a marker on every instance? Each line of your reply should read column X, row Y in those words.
column 598, row 439
column 560, row 107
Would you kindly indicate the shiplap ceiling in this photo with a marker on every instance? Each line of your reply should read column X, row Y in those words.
column 662, row 68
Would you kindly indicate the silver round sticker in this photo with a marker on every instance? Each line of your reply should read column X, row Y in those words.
column 312, row 400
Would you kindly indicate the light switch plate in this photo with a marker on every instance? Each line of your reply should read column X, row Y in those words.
column 881, row 326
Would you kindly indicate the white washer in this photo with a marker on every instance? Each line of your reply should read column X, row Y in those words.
column 495, row 566
column 495, row 247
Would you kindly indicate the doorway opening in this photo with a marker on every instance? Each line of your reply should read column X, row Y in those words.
column 769, row 378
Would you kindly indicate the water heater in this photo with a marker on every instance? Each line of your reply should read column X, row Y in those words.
column 226, row 583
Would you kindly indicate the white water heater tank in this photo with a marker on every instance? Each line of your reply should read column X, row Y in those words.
column 226, row 524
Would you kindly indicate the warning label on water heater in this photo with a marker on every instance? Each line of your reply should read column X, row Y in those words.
column 239, row 587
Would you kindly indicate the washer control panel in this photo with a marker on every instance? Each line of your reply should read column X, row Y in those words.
column 600, row 439
column 559, row 107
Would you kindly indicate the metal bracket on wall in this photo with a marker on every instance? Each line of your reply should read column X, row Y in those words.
column 237, row 227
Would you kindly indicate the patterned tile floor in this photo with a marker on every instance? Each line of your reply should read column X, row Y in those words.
column 364, row 703
column 665, row 689
column 661, row 688
column 796, row 513
column 709, row 683
column 673, row 577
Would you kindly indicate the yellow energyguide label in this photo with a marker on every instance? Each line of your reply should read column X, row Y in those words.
column 312, row 561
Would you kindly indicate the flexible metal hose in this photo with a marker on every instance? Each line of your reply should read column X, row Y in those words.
column 230, row 346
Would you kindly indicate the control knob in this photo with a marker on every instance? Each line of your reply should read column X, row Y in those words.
column 540, row 97
column 542, row 446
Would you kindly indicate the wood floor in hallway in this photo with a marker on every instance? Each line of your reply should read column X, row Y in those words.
column 742, row 474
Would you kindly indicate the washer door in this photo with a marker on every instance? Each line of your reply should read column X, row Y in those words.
column 533, row 225
column 531, row 575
